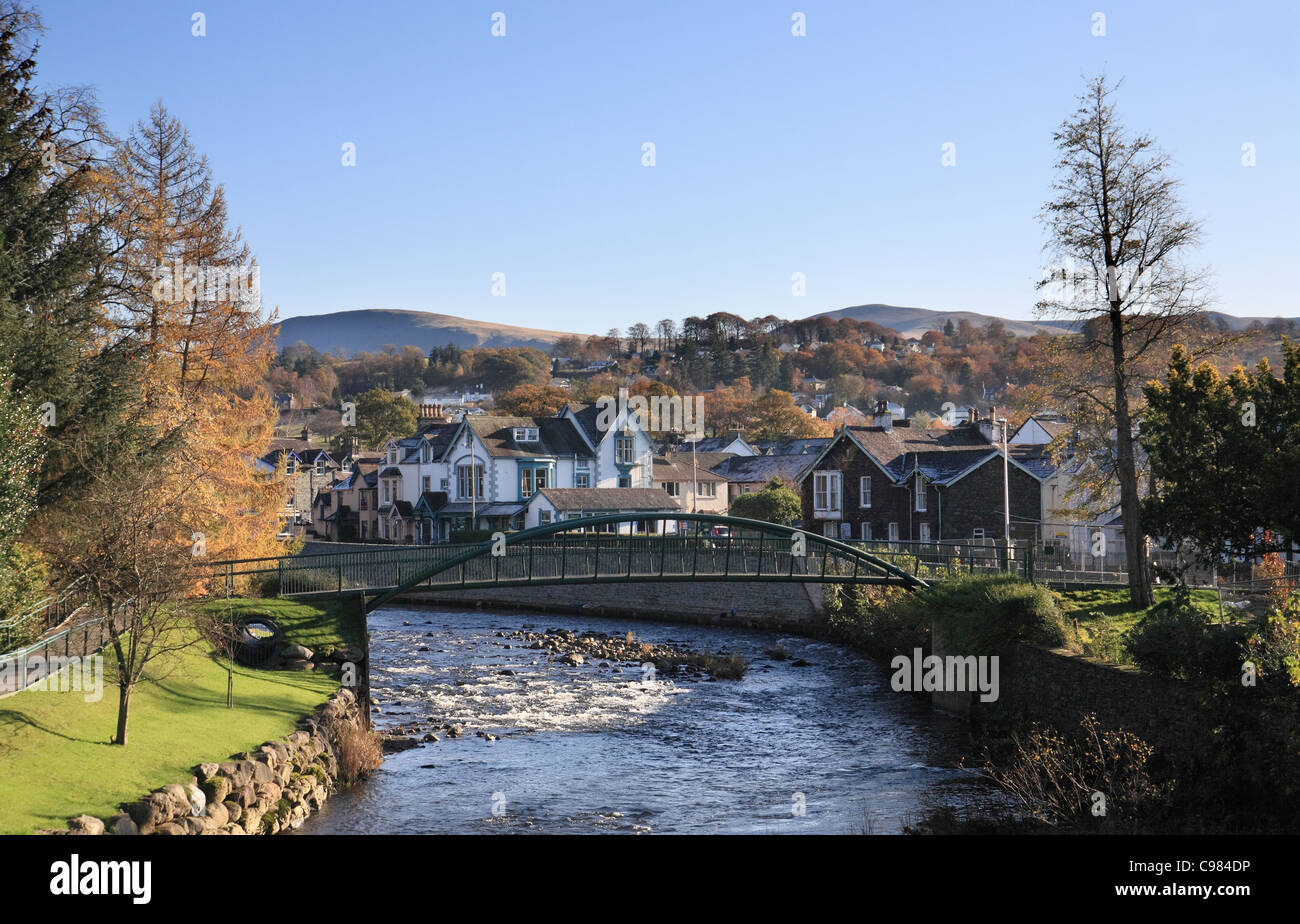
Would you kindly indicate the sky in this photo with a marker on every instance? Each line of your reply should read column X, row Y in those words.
column 822, row 154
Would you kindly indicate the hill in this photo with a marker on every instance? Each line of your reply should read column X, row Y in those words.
column 913, row 322
column 371, row 329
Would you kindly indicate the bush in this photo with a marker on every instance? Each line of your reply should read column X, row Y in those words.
column 982, row 614
column 1055, row 776
column 24, row 582
column 880, row 619
column 469, row 535
column 1274, row 648
column 1176, row 640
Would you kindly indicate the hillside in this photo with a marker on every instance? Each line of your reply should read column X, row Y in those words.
column 372, row 328
column 913, row 322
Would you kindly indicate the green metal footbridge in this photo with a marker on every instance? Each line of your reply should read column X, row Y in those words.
column 610, row 549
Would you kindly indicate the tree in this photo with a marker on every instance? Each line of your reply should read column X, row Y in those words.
column 382, row 415
column 640, row 335
column 129, row 538
column 1118, row 232
column 1222, row 458
column 21, row 453
column 775, row 416
column 532, row 401
column 666, row 330
column 776, row 503
column 54, row 342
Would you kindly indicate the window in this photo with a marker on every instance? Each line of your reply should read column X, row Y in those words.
column 893, row 532
column 624, row 450
column 292, row 465
column 866, row 532
column 672, row 488
column 463, row 481
column 526, row 482
column 446, row 484
column 543, row 518
column 830, row 530
column 708, row 489
column 625, row 481
column 427, row 483
column 320, row 465
column 826, row 492
column 525, row 435
column 924, row 534
column 539, row 478
column 864, row 491
column 920, row 494
column 582, row 480
column 385, row 492
column 977, row 532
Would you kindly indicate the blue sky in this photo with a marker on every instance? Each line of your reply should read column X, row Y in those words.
column 774, row 154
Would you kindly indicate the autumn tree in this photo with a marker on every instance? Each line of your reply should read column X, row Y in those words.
column 532, row 401
column 1117, row 234
column 775, row 416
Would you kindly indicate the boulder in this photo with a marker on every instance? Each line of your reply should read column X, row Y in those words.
column 239, row 772
column 122, row 824
column 218, row 814
column 85, row 824
column 216, row 788
column 180, row 799
column 170, row 828
column 262, row 773
column 153, row 810
column 205, row 772
column 246, row 797
column 296, row 653
column 297, row 664
column 198, row 801
column 394, row 745
column 268, row 794
column 572, row 658
column 234, row 811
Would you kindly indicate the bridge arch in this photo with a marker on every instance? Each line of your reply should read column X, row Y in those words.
column 585, row 551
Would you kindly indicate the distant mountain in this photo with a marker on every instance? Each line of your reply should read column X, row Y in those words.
column 372, row 328
column 913, row 322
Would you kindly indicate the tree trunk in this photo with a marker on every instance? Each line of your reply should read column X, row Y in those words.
column 1139, row 575
column 123, row 705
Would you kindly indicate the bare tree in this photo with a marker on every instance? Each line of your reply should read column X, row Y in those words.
column 667, row 332
column 639, row 334
column 1117, row 235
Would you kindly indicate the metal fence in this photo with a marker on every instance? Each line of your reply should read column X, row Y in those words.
column 42, row 617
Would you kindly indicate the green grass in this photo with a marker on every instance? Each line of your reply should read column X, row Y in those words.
column 1105, row 616
column 320, row 625
column 55, row 759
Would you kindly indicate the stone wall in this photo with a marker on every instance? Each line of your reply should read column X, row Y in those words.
column 1059, row 687
column 265, row 791
column 775, row 605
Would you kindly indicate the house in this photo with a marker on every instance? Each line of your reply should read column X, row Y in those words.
column 307, row 470
column 696, row 489
column 733, row 444
column 1039, row 430
column 347, row 511
column 891, row 481
column 550, row 505
column 746, row 474
column 796, row 446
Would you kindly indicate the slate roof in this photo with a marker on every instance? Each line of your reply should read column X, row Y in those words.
column 1037, row 459
column 762, row 469
column 391, row 472
column 940, row 455
column 613, row 499
column 793, row 447
column 678, row 468
column 556, row 436
column 586, row 415
column 720, row 443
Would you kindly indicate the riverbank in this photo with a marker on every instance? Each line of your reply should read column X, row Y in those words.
column 50, row 740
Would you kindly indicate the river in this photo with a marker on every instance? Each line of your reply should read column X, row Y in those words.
column 822, row 748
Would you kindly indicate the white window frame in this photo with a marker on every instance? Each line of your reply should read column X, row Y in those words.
column 866, row 532
column 828, row 496
column 582, row 479
column 864, row 491
column 921, row 502
column 893, row 532
column 708, row 489
column 923, row 532
column 672, row 488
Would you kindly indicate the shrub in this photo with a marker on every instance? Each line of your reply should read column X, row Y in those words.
column 1176, row 640
column 1274, row 647
column 469, row 535
column 983, row 613
column 880, row 619
column 1055, row 776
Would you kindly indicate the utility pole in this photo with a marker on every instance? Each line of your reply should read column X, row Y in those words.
column 1006, row 493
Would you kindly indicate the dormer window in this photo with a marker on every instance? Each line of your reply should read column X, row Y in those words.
column 526, row 435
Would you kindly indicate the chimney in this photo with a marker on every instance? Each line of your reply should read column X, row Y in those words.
column 987, row 425
column 306, row 434
column 882, row 417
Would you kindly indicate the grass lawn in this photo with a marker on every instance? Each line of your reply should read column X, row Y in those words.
column 1105, row 616
column 55, row 759
column 320, row 625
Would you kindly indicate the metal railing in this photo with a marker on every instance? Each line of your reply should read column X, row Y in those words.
column 43, row 616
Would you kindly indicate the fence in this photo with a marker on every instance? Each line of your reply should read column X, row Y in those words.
column 42, row 617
